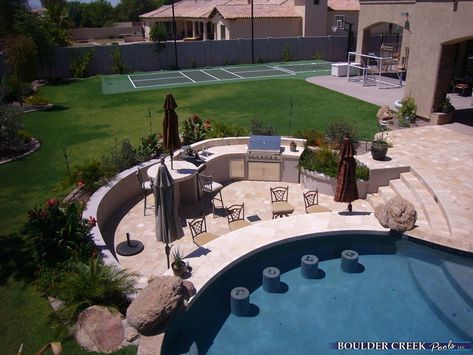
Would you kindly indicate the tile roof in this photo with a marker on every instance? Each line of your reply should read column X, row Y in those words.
column 344, row 5
column 230, row 11
column 185, row 8
column 227, row 8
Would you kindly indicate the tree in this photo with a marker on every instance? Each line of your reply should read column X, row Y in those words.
column 58, row 21
column 130, row 10
column 8, row 10
column 21, row 58
column 31, row 25
column 97, row 14
column 75, row 10
column 158, row 35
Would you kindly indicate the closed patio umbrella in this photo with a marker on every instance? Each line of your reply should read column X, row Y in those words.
column 171, row 138
column 168, row 225
column 347, row 190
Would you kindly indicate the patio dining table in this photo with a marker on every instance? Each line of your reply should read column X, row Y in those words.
column 183, row 175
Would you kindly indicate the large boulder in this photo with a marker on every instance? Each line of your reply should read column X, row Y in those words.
column 397, row 214
column 155, row 303
column 99, row 329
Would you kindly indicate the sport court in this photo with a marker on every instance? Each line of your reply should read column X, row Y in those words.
column 169, row 79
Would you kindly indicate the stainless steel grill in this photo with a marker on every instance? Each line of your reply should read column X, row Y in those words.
column 264, row 149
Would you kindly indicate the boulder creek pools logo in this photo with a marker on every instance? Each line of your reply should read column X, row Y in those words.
column 402, row 346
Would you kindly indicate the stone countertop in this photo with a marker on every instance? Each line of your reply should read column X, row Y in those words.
column 239, row 149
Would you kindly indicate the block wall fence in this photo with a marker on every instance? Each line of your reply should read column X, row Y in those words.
column 141, row 57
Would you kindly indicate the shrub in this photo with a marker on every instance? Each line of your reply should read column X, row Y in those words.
column 21, row 58
column 149, row 148
column 79, row 64
column 59, row 233
column 12, row 138
column 94, row 284
column 36, row 100
column 257, row 127
column 122, row 156
column 325, row 161
column 221, row 130
column 318, row 56
column 408, row 109
column 118, row 66
column 362, row 171
column 286, row 53
column 90, row 175
column 195, row 129
column 337, row 130
column 312, row 137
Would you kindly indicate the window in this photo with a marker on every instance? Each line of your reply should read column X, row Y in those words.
column 339, row 21
column 222, row 32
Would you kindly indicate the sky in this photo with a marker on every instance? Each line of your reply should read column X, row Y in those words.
column 36, row 4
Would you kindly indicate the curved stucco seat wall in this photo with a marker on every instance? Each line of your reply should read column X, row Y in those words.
column 111, row 201
column 107, row 202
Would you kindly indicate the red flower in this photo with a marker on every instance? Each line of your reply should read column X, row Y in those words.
column 52, row 202
column 207, row 124
column 80, row 183
column 92, row 222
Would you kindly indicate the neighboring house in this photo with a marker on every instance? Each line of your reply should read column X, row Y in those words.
column 437, row 44
column 231, row 19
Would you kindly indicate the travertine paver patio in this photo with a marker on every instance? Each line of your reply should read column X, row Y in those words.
column 443, row 159
column 254, row 194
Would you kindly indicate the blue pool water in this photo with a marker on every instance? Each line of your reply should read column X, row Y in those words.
column 404, row 292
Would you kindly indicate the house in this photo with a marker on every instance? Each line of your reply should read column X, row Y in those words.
column 231, row 19
column 436, row 48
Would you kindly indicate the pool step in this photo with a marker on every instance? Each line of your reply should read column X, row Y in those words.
column 427, row 202
column 430, row 216
column 453, row 307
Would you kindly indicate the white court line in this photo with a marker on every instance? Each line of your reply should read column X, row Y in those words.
column 187, row 77
column 185, row 83
column 229, row 72
column 203, row 71
column 282, row 69
column 131, row 81
column 152, row 73
column 153, row 79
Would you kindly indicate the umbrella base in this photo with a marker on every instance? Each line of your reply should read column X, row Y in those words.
column 129, row 249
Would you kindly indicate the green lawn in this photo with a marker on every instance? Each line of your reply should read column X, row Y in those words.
column 86, row 123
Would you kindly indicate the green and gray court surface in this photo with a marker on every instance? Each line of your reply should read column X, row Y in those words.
column 112, row 84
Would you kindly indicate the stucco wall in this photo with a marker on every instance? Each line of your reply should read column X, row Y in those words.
column 263, row 27
column 314, row 17
column 431, row 24
column 103, row 32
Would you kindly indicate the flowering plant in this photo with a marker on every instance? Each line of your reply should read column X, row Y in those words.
column 195, row 129
column 59, row 233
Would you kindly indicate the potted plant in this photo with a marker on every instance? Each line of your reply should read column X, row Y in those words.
column 293, row 146
column 446, row 106
column 379, row 149
column 178, row 266
column 408, row 109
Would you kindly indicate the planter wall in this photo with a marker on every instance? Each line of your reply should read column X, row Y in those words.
column 327, row 185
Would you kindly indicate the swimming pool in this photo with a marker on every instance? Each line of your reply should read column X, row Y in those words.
column 404, row 292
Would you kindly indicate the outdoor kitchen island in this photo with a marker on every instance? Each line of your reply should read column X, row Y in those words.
column 262, row 158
